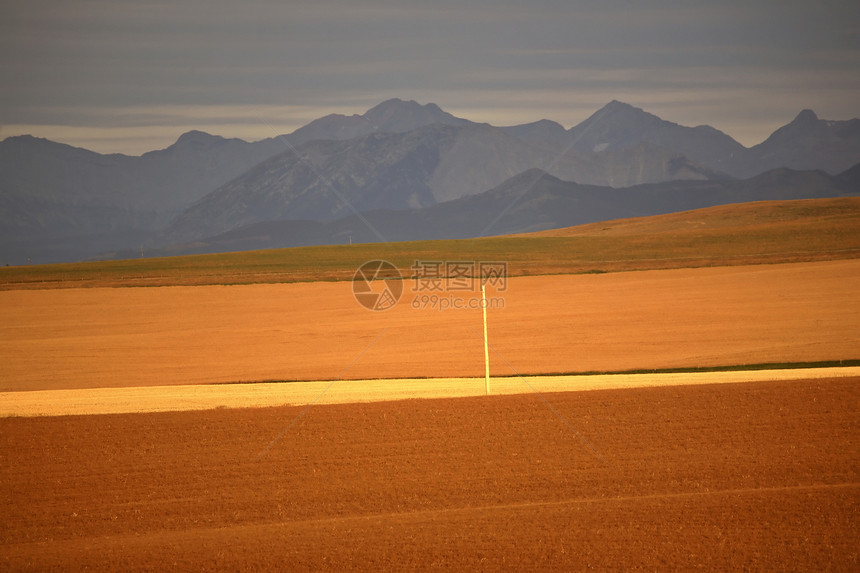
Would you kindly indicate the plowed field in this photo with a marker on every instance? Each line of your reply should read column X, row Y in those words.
column 762, row 476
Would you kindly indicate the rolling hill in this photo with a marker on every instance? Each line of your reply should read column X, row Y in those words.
column 748, row 233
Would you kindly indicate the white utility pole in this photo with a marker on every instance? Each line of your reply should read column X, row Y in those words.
column 486, row 344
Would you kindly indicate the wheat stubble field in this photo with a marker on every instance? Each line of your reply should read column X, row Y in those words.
column 750, row 473
column 89, row 338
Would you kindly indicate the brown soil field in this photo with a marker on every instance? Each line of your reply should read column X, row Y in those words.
column 759, row 476
column 119, row 337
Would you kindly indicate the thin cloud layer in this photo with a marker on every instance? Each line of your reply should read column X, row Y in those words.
column 131, row 76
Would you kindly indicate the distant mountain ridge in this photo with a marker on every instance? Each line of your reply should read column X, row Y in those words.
column 620, row 125
column 806, row 143
column 528, row 202
column 327, row 179
column 390, row 116
column 59, row 203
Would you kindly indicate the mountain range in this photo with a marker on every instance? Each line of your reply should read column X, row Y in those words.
column 401, row 170
column 531, row 201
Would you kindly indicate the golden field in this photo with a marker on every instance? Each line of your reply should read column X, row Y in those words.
column 100, row 337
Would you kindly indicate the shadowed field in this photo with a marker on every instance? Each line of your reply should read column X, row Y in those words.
column 760, row 476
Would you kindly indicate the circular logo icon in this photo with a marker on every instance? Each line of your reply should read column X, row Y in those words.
column 377, row 285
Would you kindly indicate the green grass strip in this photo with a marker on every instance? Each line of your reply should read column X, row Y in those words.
column 694, row 369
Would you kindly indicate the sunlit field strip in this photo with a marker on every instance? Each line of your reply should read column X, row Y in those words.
column 256, row 395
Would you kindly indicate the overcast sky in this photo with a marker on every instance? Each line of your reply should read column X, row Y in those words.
column 129, row 77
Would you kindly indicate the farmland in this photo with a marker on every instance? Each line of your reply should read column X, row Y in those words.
column 756, row 476
column 716, row 316
column 262, row 418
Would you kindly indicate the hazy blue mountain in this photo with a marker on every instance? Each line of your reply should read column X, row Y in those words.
column 326, row 179
column 806, row 143
column 322, row 179
column 51, row 189
column 61, row 203
column 851, row 176
column 542, row 132
column 390, row 116
column 61, row 189
column 530, row 201
column 619, row 125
